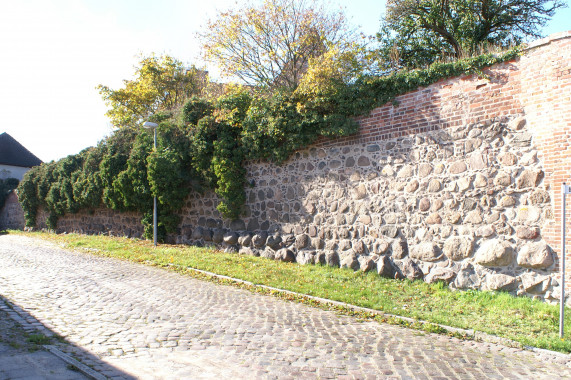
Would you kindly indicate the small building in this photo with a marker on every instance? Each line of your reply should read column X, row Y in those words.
column 15, row 160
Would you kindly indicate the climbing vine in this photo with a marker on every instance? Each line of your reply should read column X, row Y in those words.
column 208, row 145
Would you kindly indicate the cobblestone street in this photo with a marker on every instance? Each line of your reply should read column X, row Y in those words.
column 153, row 323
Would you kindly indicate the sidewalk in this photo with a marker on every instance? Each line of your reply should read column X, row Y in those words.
column 21, row 358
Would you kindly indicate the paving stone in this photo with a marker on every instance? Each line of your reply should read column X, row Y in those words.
column 106, row 307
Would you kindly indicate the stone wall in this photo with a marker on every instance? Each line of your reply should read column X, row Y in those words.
column 12, row 215
column 464, row 205
column 101, row 220
column 458, row 182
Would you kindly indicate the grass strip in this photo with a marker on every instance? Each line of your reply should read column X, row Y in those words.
column 524, row 320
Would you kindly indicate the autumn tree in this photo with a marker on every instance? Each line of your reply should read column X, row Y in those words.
column 160, row 84
column 271, row 45
column 329, row 76
column 418, row 32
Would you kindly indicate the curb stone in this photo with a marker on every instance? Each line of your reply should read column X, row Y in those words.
column 31, row 325
column 543, row 351
column 78, row 366
column 466, row 333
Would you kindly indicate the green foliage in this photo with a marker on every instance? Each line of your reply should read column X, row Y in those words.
column 28, row 195
column 415, row 33
column 228, row 153
column 101, row 175
column 214, row 139
column 88, row 185
column 202, row 137
column 195, row 109
column 39, row 339
column 227, row 167
column 380, row 90
column 59, row 197
column 169, row 179
column 116, row 153
column 241, row 126
column 161, row 85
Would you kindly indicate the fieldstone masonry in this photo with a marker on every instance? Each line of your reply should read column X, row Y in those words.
column 12, row 215
column 464, row 205
column 98, row 221
column 458, row 183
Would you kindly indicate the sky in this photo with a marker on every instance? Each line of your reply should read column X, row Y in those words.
column 53, row 54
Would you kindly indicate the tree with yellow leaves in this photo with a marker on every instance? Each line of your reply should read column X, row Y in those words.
column 161, row 84
column 271, row 45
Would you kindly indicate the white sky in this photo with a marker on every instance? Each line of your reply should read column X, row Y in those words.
column 53, row 53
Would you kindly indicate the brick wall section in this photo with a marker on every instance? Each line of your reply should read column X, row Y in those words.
column 545, row 94
column 445, row 104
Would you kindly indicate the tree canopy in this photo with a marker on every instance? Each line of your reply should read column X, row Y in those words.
column 271, row 45
column 161, row 84
column 415, row 33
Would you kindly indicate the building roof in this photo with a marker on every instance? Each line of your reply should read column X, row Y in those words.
column 14, row 154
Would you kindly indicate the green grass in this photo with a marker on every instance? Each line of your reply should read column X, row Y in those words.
column 521, row 319
column 38, row 339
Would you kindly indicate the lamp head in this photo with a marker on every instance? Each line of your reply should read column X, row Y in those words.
column 150, row 125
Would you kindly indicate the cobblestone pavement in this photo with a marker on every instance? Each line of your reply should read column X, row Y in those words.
column 153, row 323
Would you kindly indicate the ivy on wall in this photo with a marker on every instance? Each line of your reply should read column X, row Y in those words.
column 208, row 146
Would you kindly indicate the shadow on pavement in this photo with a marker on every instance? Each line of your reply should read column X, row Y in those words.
column 28, row 349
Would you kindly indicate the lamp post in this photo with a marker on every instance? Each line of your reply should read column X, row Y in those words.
column 565, row 190
column 153, row 126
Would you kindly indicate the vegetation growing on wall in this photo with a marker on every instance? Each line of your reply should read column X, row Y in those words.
column 209, row 145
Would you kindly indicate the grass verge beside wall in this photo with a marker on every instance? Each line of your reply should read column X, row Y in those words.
column 521, row 319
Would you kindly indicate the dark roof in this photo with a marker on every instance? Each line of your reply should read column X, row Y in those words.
column 14, row 154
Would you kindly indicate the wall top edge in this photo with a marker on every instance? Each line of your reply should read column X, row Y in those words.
column 532, row 45
column 547, row 40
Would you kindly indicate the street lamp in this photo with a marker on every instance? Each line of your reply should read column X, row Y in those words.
column 153, row 126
